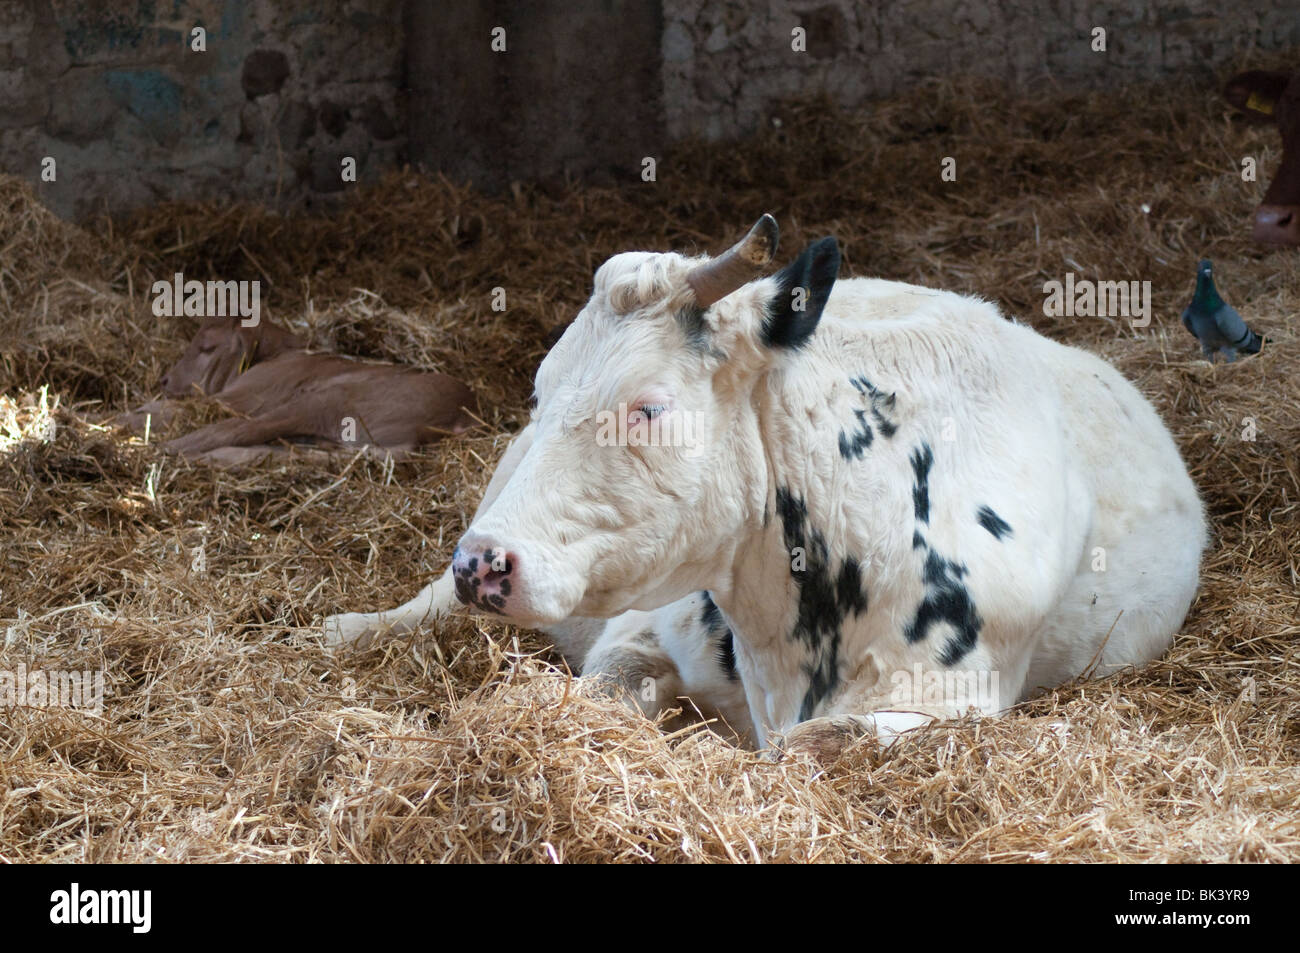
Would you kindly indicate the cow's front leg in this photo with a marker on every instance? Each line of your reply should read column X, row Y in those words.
column 436, row 599
column 237, row 432
column 632, row 665
column 824, row 739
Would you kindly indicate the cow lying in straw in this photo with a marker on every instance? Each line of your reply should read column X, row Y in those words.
column 281, row 391
column 901, row 504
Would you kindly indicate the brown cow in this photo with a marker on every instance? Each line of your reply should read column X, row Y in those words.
column 281, row 391
column 1274, row 97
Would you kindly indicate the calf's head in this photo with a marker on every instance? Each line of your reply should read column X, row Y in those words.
column 222, row 350
column 1275, row 97
column 647, row 459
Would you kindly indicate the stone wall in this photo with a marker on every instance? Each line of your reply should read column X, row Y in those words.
column 131, row 114
column 725, row 60
column 113, row 91
column 566, row 88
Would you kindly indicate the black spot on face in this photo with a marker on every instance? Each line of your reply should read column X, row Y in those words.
column 922, row 460
column 691, row 320
column 826, row 597
column 995, row 524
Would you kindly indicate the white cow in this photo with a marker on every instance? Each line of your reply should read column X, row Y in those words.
column 902, row 504
column 681, row 656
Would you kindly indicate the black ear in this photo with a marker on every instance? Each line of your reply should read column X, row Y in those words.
column 802, row 289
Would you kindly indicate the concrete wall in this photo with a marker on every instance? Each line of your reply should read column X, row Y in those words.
column 112, row 90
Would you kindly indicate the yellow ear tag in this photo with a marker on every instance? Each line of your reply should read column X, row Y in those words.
column 246, row 361
column 1260, row 104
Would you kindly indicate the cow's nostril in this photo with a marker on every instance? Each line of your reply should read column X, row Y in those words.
column 499, row 562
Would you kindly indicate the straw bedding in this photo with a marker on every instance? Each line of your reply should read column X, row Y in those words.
column 229, row 733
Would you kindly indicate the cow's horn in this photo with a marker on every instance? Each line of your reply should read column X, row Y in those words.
column 719, row 277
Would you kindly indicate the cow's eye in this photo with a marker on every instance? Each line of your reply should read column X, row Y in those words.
column 207, row 348
column 652, row 411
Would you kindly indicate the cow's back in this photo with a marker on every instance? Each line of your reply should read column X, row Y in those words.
column 1140, row 565
column 1048, row 438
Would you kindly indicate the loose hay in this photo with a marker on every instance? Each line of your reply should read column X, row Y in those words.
column 230, row 733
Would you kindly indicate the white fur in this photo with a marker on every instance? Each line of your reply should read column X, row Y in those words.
column 1053, row 439
column 677, row 639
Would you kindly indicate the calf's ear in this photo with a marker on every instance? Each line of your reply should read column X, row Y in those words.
column 802, row 289
column 1256, row 93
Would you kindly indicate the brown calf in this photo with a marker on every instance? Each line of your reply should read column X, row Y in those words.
column 1274, row 97
column 281, row 391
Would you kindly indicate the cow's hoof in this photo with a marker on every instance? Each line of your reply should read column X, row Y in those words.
column 349, row 628
column 823, row 740
column 645, row 680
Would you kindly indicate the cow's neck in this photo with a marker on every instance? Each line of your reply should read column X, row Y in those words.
column 799, row 592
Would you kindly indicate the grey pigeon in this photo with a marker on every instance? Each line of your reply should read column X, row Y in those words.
column 1215, row 323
